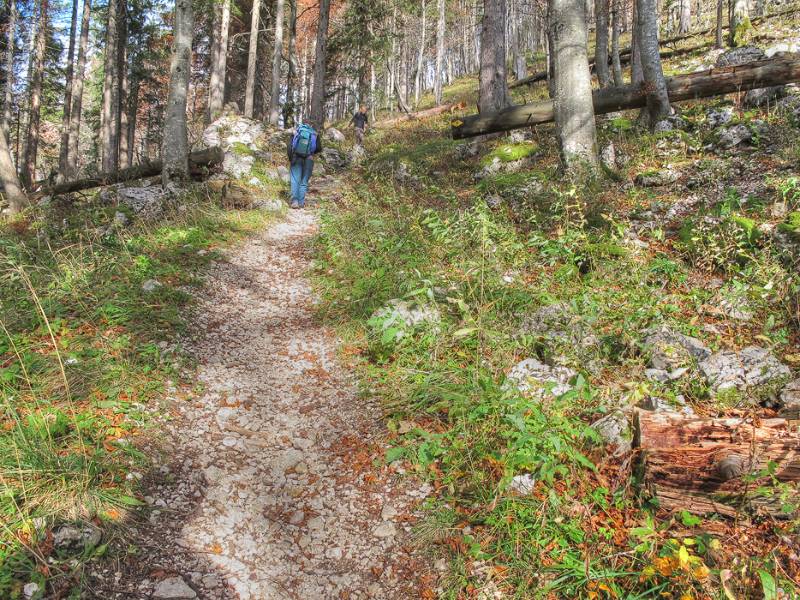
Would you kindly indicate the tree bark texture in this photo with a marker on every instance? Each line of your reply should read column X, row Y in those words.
column 702, row 84
column 601, row 9
column 219, row 61
column 647, row 25
column 28, row 167
column 320, row 64
column 277, row 50
column 440, row 31
column 685, row 16
column 572, row 86
column 616, row 64
column 9, row 58
column 720, row 12
column 418, row 76
column 739, row 22
column 109, row 130
column 493, row 93
column 77, row 95
column 175, row 148
column 8, row 176
column 69, row 77
column 252, row 56
column 289, row 107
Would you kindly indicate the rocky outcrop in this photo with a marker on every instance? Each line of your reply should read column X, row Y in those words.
column 740, row 56
column 670, row 350
column 749, row 368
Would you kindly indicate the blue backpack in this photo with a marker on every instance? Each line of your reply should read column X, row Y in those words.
column 304, row 142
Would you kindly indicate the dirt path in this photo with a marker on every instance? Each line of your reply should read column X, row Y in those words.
column 269, row 490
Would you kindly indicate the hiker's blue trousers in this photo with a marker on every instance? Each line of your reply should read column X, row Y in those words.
column 300, row 173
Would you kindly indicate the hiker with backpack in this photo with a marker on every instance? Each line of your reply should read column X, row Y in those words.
column 305, row 143
column 359, row 122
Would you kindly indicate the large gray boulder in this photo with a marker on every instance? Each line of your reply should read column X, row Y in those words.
column 764, row 96
column 657, row 178
column 734, row 136
column 173, row 588
column 237, row 164
column 232, row 129
column 334, row 159
column 719, row 116
column 147, row 201
column 790, row 397
column 670, row 350
column 537, row 380
column 749, row 368
column 334, row 135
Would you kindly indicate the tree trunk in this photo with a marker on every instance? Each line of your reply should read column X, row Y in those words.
column 320, row 65
column 720, row 6
column 28, row 167
column 252, row 55
column 219, row 61
column 69, row 76
column 289, row 106
column 705, row 465
column 601, row 41
column 740, row 22
column 8, row 176
column 493, row 93
column 572, row 85
column 124, row 100
column 274, row 99
column 175, row 147
column 132, row 110
column 420, row 56
column 702, row 84
column 440, row 31
column 637, row 75
column 615, row 30
column 685, row 17
column 657, row 100
column 77, row 95
column 109, row 134
column 9, row 58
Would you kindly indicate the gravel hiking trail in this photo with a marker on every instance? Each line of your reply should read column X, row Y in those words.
column 268, row 487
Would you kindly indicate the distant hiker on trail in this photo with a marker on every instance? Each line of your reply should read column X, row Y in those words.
column 305, row 143
column 359, row 122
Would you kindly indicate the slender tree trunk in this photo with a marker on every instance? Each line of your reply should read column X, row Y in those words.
column 64, row 151
column 657, row 98
column 636, row 51
column 720, row 13
column 615, row 62
column 219, row 61
column 28, row 167
column 289, row 107
column 252, row 55
column 274, row 99
column 493, row 95
column 418, row 77
column 601, row 41
column 175, row 148
column 109, row 135
column 739, row 22
column 572, row 86
column 9, row 89
column 685, row 20
column 320, row 65
column 132, row 110
column 8, row 176
column 124, row 101
column 440, row 31
column 77, row 95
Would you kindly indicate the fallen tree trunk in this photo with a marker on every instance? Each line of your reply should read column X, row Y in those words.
column 199, row 163
column 714, row 82
column 708, row 466
column 422, row 114
column 624, row 54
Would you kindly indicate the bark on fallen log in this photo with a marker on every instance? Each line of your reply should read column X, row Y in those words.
column 708, row 466
column 422, row 114
column 713, row 82
column 199, row 163
column 624, row 54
